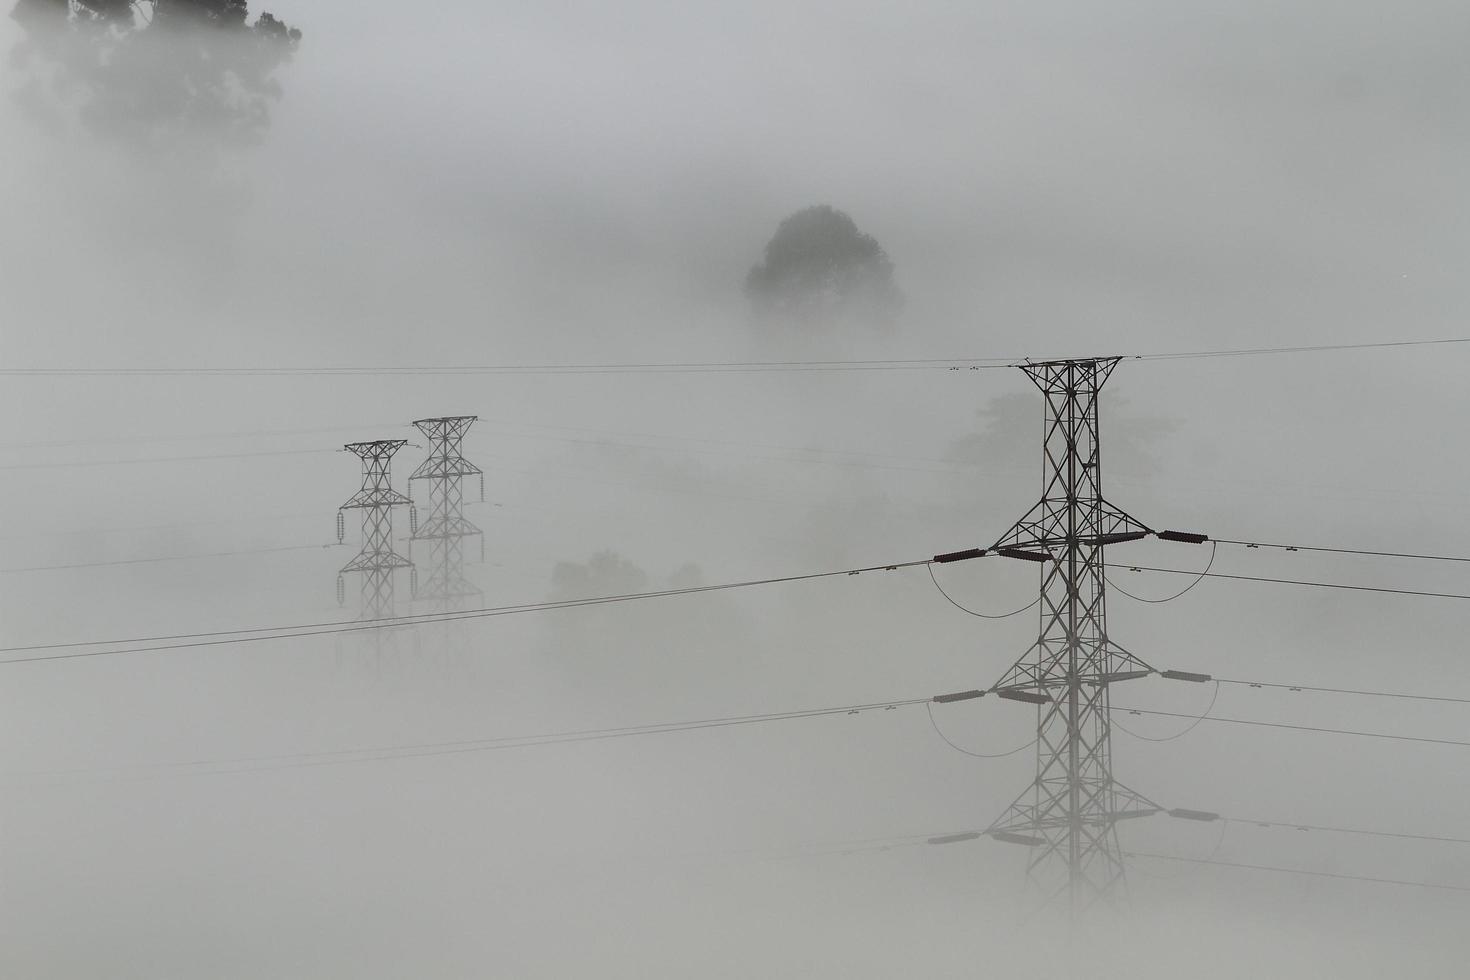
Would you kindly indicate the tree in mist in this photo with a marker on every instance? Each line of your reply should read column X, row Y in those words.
column 143, row 70
column 616, row 648
column 605, row 573
column 820, row 269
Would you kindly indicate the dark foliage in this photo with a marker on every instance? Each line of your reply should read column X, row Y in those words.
column 819, row 269
column 145, row 70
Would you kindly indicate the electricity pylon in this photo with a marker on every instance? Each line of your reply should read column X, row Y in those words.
column 1069, row 814
column 446, row 526
column 377, row 498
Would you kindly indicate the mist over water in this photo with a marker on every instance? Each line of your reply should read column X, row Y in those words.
column 576, row 184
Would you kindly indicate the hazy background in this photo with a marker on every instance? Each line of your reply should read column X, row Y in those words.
column 493, row 184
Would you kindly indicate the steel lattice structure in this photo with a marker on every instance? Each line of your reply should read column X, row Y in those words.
column 446, row 527
column 377, row 498
column 1069, row 813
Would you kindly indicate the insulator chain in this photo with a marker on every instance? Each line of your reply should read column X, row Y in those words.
column 482, row 486
column 413, row 519
column 341, row 527
column 413, row 581
column 341, row 591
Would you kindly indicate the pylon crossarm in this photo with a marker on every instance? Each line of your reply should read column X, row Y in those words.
column 439, row 468
column 1049, row 675
column 1133, row 800
column 376, row 559
column 1048, row 532
column 380, row 497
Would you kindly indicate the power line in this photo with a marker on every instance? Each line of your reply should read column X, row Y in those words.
column 162, row 558
column 1185, row 731
column 199, row 436
column 972, row 612
column 934, row 723
column 460, row 746
column 1294, row 581
column 92, row 531
column 1341, row 551
column 1344, row 690
column 684, row 367
column 164, row 459
column 1297, row 871
column 265, row 633
column 1297, row 728
column 1208, row 565
column 1303, row 349
column 1276, row 824
column 673, row 367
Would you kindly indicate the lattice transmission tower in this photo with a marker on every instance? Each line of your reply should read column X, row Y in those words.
column 1070, row 812
column 377, row 560
column 446, row 528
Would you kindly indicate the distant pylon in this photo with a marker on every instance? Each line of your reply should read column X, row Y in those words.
column 446, row 528
column 1070, row 812
column 377, row 498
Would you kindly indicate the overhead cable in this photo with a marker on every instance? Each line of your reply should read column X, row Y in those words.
column 460, row 746
column 1202, row 575
column 1293, row 581
column 1180, row 734
column 1301, row 349
column 149, row 561
column 682, row 367
column 668, row 367
column 1342, row 551
column 1346, row 690
column 973, row 612
column 1298, row 728
column 929, row 707
column 164, row 459
column 266, row 633
column 1276, row 824
column 1297, row 871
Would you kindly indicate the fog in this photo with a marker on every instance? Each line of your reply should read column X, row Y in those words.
column 492, row 185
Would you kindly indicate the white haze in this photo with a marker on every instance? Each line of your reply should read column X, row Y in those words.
column 588, row 183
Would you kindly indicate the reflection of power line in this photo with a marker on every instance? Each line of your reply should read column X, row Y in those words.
column 1209, row 816
column 1206, row 816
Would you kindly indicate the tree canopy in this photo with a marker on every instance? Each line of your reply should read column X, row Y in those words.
column 819, row 268
column 143, row 70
